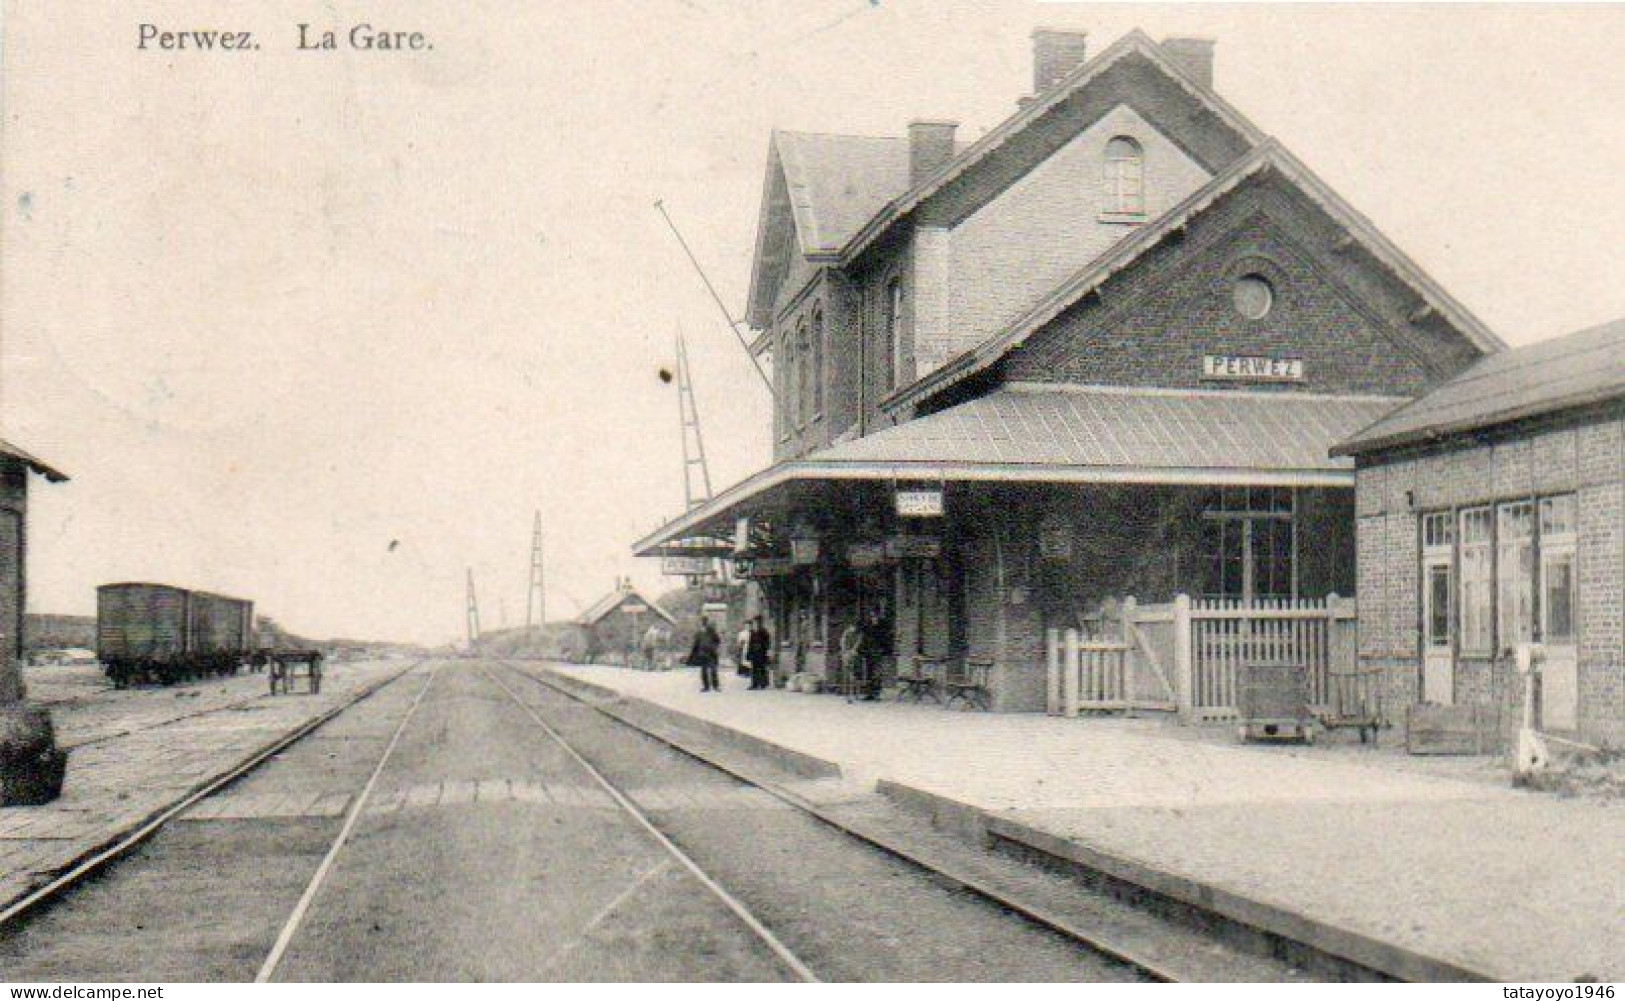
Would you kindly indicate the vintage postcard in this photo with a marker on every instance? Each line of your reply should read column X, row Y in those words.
column 811, row 490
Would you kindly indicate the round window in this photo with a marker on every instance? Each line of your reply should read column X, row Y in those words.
column 1254, row 296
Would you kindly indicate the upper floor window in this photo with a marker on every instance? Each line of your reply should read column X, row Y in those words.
column 804, row 376
column 818, row 362
column 891, row 326
column 791, row 391
column 1124, row 178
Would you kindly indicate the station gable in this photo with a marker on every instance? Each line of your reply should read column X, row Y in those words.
column 1261, row 291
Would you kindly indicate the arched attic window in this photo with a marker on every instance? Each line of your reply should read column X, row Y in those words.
column 1124, row 177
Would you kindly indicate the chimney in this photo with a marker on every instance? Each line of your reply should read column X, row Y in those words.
column 1056, row 52
column 930, row 145
column 1193, row 56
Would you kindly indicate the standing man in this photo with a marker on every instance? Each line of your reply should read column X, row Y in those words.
column 704, row 654
column 758, row 649
column 851, row 649
column 876, row 648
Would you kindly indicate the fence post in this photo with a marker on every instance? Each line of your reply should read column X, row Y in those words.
column 1069, row 676
column 1052, row 649
column 1183, row 672
column 1126, row 673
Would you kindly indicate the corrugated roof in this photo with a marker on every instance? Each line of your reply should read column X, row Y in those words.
column 1043, row 433
column 38, row 466
column 1032, row 424
column 1575, row 370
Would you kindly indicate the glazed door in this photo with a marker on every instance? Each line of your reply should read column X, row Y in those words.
column 1438, row 587
column 1560, row 675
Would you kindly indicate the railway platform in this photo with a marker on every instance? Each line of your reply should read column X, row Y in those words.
column 1412, row 866
column 135, row 752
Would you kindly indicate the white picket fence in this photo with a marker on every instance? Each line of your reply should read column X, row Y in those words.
column 1186, row 655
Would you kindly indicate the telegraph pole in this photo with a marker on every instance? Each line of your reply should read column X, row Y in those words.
column 473, row 613
column 696, row 473
column 535, row 597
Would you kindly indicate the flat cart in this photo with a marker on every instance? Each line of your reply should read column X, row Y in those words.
column 285, row 668
column 1273, row 699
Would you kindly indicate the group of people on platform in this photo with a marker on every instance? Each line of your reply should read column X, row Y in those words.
column 864, row 645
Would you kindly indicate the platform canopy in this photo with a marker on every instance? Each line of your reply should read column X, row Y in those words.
column 1047, row 433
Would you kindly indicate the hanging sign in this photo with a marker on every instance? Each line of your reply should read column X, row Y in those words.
column 742, row 535
column 861, row 555
column 919, row 503
column 1251, row 368
column 685, row 566
column 913, row 547
column 771, row 566
column 803, row 552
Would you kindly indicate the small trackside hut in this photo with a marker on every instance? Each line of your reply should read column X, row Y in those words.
column 1056, row 407
column 612, row 629
column 1492, row 514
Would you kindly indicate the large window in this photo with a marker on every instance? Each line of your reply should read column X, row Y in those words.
column 1248, row 544
column 1515, row 572
column 891, row 329
column 790, row 403
column 1557, row 576
column 806, row 377
column 1125, row 177
column 818, row 362
column 1478, row 580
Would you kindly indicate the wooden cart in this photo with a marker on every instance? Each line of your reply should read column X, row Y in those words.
column 1274, row 703
column 287, row 667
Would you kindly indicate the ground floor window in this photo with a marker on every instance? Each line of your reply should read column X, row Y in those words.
column 1515, row 572
column 1557, row 576
column 1478, row 580
column 1248, row 546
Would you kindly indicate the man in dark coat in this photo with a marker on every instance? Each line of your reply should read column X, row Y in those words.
column 705, row 654
column 757, row 651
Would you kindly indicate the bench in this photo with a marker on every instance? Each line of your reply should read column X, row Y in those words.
column 970, row 685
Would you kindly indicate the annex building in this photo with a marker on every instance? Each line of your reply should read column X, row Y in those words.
column 1066, row 395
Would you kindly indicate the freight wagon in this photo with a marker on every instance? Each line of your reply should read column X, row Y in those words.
column 163, row 634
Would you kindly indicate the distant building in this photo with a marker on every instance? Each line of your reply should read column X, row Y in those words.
column 613, row 627
column 1099, row 353
column 1492, row 513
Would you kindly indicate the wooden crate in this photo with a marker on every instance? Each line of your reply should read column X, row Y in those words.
column 1434, row 729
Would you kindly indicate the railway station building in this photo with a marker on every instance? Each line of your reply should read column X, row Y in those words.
column 1073, row 384
column 1491, row 512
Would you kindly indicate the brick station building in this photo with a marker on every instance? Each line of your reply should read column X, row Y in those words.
column 1102, row 352
column 1492, row 513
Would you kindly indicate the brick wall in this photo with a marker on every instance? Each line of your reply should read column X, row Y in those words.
column 1587, row 457
column 13, row 569
column 1152, row 324
column 1048, row 224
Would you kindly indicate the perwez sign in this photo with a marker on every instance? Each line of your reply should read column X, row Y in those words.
column 1251, row 368
column 685, row 566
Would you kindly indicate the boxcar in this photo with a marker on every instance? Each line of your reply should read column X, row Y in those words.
column 159, row 633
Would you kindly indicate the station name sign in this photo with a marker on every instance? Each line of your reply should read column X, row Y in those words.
column 1252, row 368
column 919, row 503
column 685, row 566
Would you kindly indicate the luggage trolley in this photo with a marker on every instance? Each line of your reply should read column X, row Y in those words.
column 285, row 667
column 1274, row 703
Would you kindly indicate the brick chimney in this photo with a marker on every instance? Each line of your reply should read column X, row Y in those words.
column 930, row 145
column 1056, row 52
column 1193, row 56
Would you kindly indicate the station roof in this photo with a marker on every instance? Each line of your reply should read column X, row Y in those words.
column 614, row 599
column 9, row 450
column 1044, row 433
column 1580, row 369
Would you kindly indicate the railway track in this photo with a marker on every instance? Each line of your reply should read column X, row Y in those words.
column 104, row 855
column 1103, row 946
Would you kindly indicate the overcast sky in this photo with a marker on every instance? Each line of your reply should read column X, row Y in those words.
column 277, row 311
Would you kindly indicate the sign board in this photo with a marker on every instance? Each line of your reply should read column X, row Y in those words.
column 742, row 535
column 919, row 503
column 1251, row 368
column 685, row 566
column 803, row 552
column 771, row 566
column 865, row 554
column 913, row 547
column 1055, row 542
column 634, row 607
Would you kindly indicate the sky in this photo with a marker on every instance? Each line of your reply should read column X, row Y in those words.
column 324, row 330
